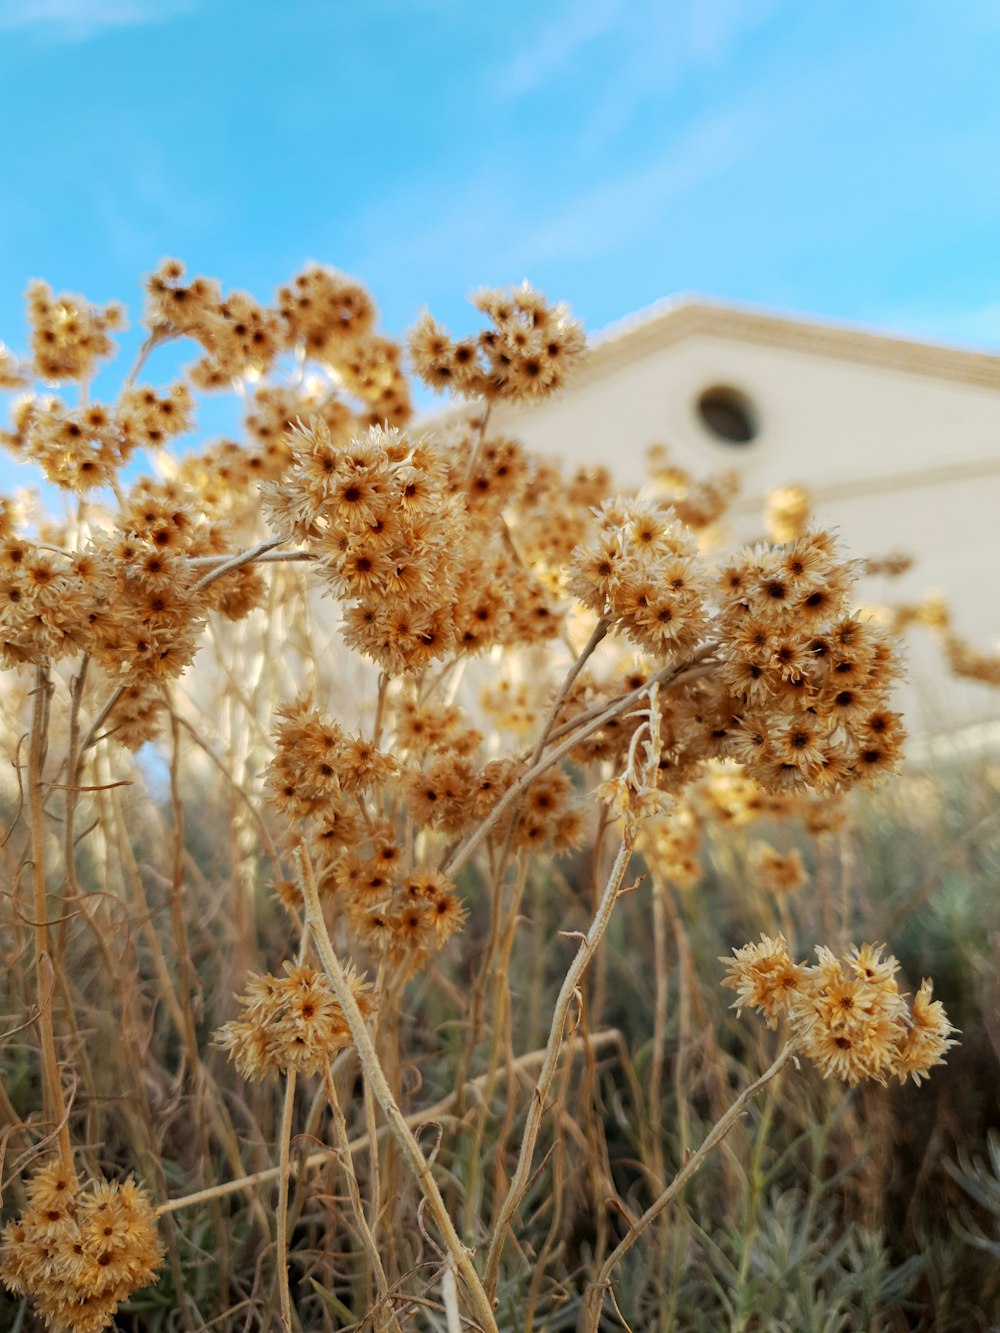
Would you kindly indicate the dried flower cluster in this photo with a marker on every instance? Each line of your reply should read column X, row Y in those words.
column 812, row 680
column 527, row 353
column 639, row 569
column 399, row 906
column 82, row 449
column 133, row 599
column 80, row 1251
column 846, row 1015
column 788, row 513
column 68, row 335
column 775, row 872
column 290, row 1022
column 801, row 696
column 425, row 571
column 698, row 502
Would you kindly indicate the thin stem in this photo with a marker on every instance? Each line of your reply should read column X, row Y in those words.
column 383, row 689
column 262, row 558
column 375, row 1075
column 236, row 561
column 158, row 336
column 670, row 675
column 91, row 737
column 449, row 1299
column 439, row 1111
column 600, row 632
column 55, row 1107
column 594, row 1300
column 357, row 1206
column 522, row 1174
column 284, row 1167
column 484, row 421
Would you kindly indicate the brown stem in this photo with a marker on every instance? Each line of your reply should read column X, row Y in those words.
column 236, row 562
column 357, row 1206
column 438, row 1112
column 398, row 1127
column 600, row 632
column 669, row 675
column 284, row 1166
column 55, row 1107
column 484, row 421
column 522, row 1175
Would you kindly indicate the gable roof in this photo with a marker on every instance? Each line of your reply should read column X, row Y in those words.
column 670, row 321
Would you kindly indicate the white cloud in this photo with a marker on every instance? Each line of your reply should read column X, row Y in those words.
column 76, row 20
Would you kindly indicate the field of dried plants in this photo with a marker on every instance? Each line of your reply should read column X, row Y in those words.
column 442, row 892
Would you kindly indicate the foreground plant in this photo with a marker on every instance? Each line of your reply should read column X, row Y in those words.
column 631, row 679
column 80, row 1251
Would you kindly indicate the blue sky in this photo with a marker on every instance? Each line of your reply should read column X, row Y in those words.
column 820, row 158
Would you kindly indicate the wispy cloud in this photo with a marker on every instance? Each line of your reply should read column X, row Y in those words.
column 600, row 220
column 494, row 227
column 76, row 20
column 649, row 43
column 555, row 46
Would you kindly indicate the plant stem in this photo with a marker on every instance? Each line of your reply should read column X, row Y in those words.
column 596, row 1041
column 522, row 1174
column 357, row 1206
column 284, row 1164
column 600, row 632
column 235, row 562
column 590, row 1315
column 670, row 675
column 55, row 1107
column 390, row 1107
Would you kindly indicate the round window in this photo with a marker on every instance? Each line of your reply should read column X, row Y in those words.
column 728, row 414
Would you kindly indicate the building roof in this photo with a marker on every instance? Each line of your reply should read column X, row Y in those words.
column 677, row 318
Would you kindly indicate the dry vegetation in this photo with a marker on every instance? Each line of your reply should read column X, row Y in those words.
column 368, row 970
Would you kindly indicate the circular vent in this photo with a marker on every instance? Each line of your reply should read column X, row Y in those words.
column 728, row 414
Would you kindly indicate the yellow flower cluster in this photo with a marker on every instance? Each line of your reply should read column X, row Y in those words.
column 79, row 1251
column 846, row 1015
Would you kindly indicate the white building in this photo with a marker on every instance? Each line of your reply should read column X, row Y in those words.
column 897, row 441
